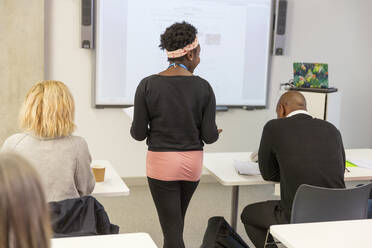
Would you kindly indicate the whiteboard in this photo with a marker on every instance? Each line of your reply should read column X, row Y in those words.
column 234, row 35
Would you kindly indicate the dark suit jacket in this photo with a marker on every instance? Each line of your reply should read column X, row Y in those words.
column 82, row 216
column 301, row 150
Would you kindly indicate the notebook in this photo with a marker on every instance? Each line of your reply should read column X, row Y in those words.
column 364, row 163
column 246, row 167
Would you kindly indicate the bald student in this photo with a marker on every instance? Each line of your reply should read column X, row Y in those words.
column 295, row 149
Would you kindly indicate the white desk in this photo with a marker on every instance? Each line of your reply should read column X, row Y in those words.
column 359, row 153
column 113, row 184
column 130, row 240
column 221, row 166
column 341, row 234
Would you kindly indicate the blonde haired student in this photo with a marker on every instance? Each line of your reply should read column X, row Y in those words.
column 61, row 159
column 24, row 215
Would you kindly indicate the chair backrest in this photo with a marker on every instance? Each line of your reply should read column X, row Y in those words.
column 316, row 204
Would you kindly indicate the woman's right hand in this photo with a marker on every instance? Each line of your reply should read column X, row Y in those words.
column 219, row 131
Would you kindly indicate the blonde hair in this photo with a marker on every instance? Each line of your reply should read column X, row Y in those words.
column 24, row 213
column 48, row 110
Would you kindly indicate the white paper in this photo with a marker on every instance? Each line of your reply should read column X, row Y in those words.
column 129, row 111
column 364, row 163
column 247, row 167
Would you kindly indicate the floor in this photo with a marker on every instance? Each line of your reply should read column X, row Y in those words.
column 136, row 212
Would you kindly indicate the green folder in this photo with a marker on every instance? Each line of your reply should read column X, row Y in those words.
column 349, row 164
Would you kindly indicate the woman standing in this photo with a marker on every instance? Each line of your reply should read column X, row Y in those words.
column 175, row 111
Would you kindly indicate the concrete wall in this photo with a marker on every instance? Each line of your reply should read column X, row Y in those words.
column 21, row 57
column 334, row 31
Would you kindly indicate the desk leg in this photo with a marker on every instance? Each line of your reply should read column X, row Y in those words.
column 234, row 207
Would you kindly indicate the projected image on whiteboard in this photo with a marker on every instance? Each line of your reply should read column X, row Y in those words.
column 234, row 37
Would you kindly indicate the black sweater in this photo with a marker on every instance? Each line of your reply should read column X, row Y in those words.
column 301, row 150
column 174, row 113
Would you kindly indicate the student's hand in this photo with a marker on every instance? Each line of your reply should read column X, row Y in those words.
column 254, row 156
column 219, row 131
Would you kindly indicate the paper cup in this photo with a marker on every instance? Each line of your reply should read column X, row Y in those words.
column 99, row 172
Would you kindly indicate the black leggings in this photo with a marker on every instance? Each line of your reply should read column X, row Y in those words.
column 171, row 199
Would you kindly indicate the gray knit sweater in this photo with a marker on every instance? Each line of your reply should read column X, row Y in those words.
column 63, row 163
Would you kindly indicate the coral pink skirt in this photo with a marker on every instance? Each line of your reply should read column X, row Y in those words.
column 174, row 166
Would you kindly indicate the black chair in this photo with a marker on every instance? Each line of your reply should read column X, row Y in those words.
column 317, row 204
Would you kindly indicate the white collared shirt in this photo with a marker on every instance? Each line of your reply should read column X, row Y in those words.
column 298, row 112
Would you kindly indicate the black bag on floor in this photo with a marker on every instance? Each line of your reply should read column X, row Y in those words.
column 219, row 234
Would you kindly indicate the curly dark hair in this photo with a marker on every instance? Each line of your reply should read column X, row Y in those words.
column 176, row 36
